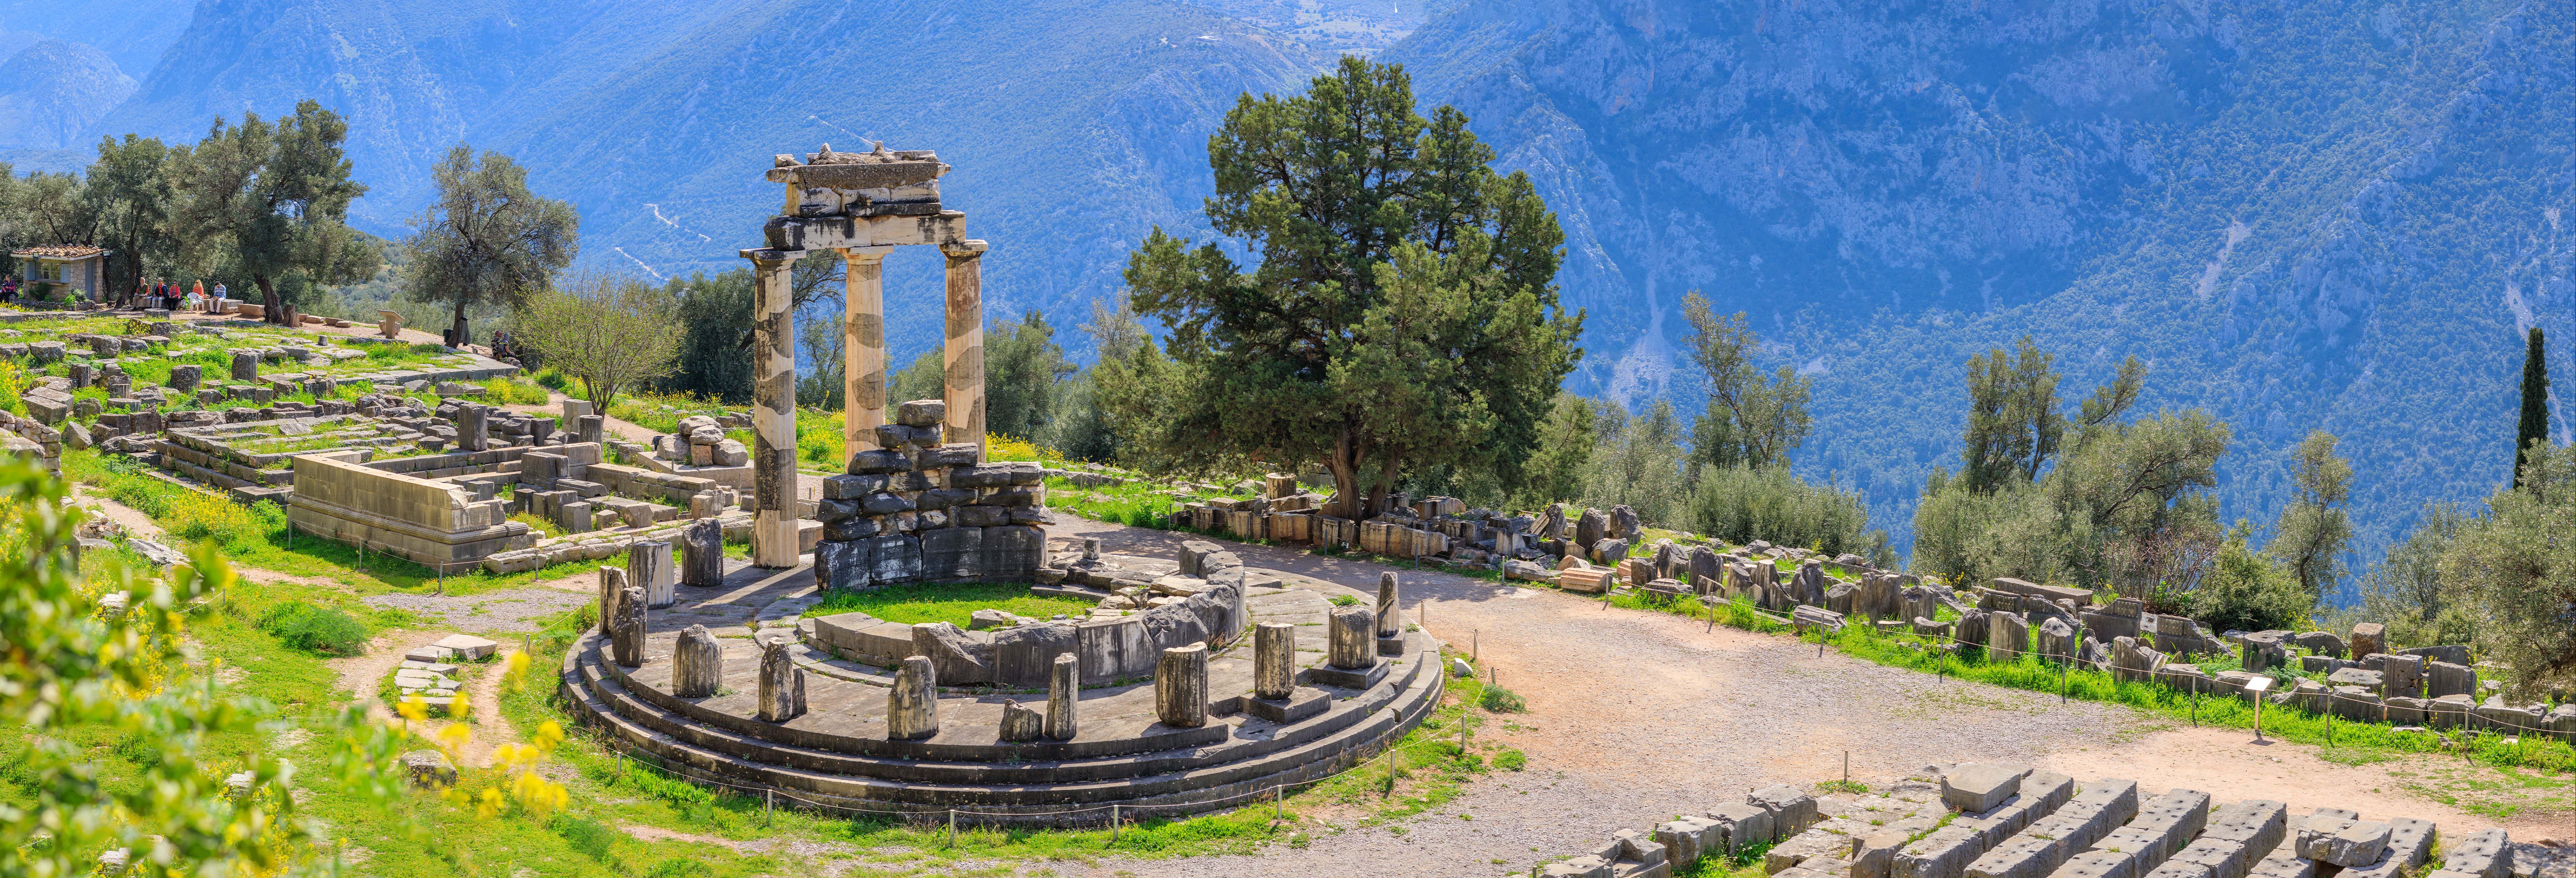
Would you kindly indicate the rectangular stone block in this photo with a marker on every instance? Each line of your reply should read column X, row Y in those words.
column 2099, row 864
column 843, row 565
column 1945, row 853
column 1116, row 649
column 952, row 553
column 1977, row 787
column 894, row 559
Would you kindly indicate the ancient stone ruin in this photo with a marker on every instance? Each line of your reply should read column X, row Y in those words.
column 1161, row 700
column 1977, row 820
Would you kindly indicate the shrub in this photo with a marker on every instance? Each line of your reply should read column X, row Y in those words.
column 314, row 629
column 589, row 838
column 1501, row 700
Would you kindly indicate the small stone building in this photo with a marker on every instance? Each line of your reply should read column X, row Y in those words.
column 78, row 266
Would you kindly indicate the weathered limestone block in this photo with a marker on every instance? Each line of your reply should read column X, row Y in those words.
column 912, row 704
column 2447, row 678
column 1274, row 660
column 2007, row 635
column 1064, row 689
column 1945, row 853
column 697, row 663
column 2483, row 854
column 1591, row 528
column 2058, row 641
column 1977, row 787
column 1792, row 812
column 782, row 683
column 2368, row 638
column 961, row 659
column 1625, row 525
column 1740, row 824
column 1020, row 723
column 626, row 637
column 1181, row 687
column 1025, row 655
column 1354, row 641
column 473, row 422
column 2402, row 675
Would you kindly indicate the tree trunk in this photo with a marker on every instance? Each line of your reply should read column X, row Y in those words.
column 458, row 336
column 1385, row 484
column 1346, row 477
column 271, row 309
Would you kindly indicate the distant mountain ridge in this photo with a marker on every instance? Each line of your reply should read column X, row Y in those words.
column 2330, row 214
column 2335, row 215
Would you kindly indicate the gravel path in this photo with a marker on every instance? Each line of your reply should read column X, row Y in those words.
column 1636, row 717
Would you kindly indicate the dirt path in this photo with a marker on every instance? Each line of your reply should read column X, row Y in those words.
column 1637, row 716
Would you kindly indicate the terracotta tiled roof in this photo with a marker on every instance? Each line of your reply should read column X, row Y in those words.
column 59, row 251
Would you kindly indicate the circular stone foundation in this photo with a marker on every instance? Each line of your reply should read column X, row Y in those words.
column 837, row 755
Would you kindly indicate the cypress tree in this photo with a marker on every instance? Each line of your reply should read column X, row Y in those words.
column 2535, row 405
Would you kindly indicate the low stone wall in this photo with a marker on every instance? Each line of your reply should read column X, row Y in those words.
column 432, row 523
column 25, row 437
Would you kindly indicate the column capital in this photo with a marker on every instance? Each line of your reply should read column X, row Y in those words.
column 772, row 254
column 965, row 249
column 866, row 254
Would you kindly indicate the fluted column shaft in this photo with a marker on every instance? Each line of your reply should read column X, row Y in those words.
column 965, row 349
column 863, row 372
column 773, row 408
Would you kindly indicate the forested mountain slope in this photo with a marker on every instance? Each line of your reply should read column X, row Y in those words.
column 2334, row 215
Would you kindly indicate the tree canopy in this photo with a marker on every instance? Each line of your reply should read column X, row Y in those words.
column 272, row 202
column 486, row 240
column 1403, row 311
column 1751, row 420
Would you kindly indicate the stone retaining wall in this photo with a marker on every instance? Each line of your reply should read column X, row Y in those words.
column 433, row 523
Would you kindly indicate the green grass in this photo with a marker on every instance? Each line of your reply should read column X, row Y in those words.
column 951, row 603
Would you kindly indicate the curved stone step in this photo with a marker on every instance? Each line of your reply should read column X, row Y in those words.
column 590, row 670
column 1172, row 793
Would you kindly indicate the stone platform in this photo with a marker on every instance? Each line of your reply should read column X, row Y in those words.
column 838, row 755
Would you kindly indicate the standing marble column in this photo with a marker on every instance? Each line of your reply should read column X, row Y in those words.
column 1390, row 621
column 626, row 633
column 912, row 706
column 1064, row 690
column 773, row 408
column 863, row 346
column 782, row 683
column 1352, row 648
column 1274, row 660
column 702, row 553
column 965, row 352
column 612, row 584
column 649, row 567
column 1181, row 686
column 697, row 663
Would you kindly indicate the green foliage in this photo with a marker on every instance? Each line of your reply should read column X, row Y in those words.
column 1740, row 504
column 272, row 200
column 1501, row 700
column 2313, row 530
column 80, row 672
column 1638, row 462
column 304, row 626
column 2518, row 562
column 951, row 603
column 589, row 838
column 1511, row 759
column 925, row 378
column 714, row 315
column 2405, row 591
column 2249, row 591
column 2125, row 505
column 1024, row 370
column 2533, row 424
column 1556, row 470
column 1750, row 420
column 485, row 241
column 1403, row 313
column 613, row 334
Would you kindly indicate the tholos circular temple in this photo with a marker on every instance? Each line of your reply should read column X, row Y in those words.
column 1142, row 708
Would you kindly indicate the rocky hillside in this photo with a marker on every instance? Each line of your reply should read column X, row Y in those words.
column 2331, row 214
column 2335, row 215
column 52, row 91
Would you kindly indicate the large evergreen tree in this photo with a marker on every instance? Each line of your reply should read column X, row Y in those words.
column 2535, row 405
column 1403, row 311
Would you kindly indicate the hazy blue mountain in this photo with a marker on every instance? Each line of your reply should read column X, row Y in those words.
column 1073, row 127
column 2330, row 214
column 2335, row 215
column 412, row 78
column 131, row 32
column 52, row 90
